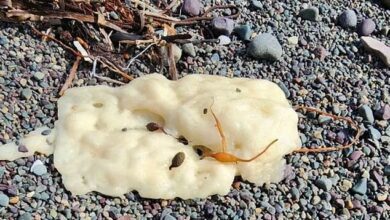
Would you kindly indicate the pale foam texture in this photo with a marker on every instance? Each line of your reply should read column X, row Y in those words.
column 94, row 152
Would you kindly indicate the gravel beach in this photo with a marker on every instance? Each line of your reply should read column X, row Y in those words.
column 311, row 49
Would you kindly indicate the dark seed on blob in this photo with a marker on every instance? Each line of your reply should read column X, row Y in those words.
column 238, row 90
column 124, row 129
column 22, row 148
column 182, row 140
column 46, row 132
column 205, row 111
column 177, row 160
column 152, row 126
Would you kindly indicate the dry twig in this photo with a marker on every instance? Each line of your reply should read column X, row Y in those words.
column 72, row 75
column 321, row 149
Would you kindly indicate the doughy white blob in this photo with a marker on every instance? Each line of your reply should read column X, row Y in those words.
column 101, row 142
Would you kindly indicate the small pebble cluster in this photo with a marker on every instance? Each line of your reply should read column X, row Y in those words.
column 326, row 54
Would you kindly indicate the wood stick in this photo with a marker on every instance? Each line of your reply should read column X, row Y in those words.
column 72, row 75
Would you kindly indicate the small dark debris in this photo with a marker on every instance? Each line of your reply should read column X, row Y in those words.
column 238, row 90
column 182, row 140
column 46, row 132
column 177, row 160
column 152, row 126
column 124, row 129
column 205, row 111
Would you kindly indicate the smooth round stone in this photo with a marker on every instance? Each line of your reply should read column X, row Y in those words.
column 25, row 216
column 224, row 40
column 26, row 93
column 222, row 25
column 189, row 49
column 310, row 13
column 366, row 112
column 366, row 27
column 348, row 19
column 257, row 4
column 38, row 76
column 192, row 7
column 4, row 200
column 265, row 46
column 38, row 168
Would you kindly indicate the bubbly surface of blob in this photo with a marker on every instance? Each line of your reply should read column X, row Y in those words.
column 101, row 142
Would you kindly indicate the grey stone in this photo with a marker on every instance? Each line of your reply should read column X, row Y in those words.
column 366, row 112
column 4, row 200
column 189, row 49
column 360, row 186
column 26, row 93
column 310, row 13
column 295, row 194
column 114, row 15
column 38, row 168
column 2, row 171
column 265, row 46
column 284, row 88
column 25, row 216
column 224, row 40
column 192, row 7
column 348, row 19
column 244, row 32
column 38, row 76
column 366, row 27
column 222, row 25
column 215, row 58
column 324, row 184
column 257, row 4
column 387, row 170
column 374, row 133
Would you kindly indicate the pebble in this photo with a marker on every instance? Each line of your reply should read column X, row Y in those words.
column 38, row 76
column 38, row 168
column 215, row 58
column 383, row 113
column 387, row 170
column 189, row 49
column 365, row 111
column 345, row 185
column 224, row 40
column 294, row 193
column 192, row 7
column 25, row 216
column 348, row 19
column 265, row 46
column 381, row 197
column 324, row 184
column 22, row 148
column 4, row 200
column 26, row 93
column 222, row 25
column 316, row 200
column 114, row 15
column 374, row 133
column 257, row 4
column 2, row 171
column 360, row 186
column 320, row 52
column 310, row 13
column 377, row 48
column 244, row 32
column 292, row 40
column 366, row 27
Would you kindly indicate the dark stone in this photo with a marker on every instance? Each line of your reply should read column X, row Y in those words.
column 366, row 27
